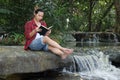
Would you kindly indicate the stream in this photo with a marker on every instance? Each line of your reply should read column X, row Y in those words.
column 91, row 63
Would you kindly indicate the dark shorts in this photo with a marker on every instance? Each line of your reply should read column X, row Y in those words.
column 38, row 44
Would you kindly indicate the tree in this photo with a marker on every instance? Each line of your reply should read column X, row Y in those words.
column 91, row 6
column 83, row 15
column 117, row 8
column 99, row 23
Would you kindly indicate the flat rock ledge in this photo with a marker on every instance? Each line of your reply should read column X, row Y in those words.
column 14, row 59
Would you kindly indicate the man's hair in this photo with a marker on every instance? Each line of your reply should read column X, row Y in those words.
column 37, row 10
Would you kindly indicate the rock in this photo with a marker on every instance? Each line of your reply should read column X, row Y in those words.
column 114, row 55
column 14, row 59
column 68, row 38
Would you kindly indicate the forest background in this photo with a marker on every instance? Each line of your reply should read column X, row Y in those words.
column 63, row 15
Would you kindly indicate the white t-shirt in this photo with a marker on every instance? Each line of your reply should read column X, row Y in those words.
column 38, row 36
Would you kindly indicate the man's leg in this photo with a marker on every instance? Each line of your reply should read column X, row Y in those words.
column 51, row 42
column 54, row 44
column 58, row 52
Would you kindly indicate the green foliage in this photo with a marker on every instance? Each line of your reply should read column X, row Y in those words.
column 5, row 11
column 13, row 39
column 14, row 14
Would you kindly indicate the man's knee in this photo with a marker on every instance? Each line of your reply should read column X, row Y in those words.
column 45, row 38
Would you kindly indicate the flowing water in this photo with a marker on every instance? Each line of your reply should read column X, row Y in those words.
column 96, row 64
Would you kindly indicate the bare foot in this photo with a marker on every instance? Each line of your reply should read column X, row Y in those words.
column 68, row 51
column 64, row 56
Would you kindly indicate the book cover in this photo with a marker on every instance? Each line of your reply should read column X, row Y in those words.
column 44, row 30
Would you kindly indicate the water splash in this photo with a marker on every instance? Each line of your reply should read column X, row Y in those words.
column 96, row 64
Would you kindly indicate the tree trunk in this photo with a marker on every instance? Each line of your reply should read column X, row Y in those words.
column 117, row 7
column 91, row 6
column 90, row 15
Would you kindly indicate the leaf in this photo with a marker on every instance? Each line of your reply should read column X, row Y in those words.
column 5, row 11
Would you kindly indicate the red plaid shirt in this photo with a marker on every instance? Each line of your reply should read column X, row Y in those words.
column 29, row 26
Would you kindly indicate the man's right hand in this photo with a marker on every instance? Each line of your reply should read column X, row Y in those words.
column 37, row 29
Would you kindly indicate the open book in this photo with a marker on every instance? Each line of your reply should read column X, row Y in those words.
column 44, row 30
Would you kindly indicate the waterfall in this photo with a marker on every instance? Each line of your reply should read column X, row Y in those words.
column 85, row 63
column 115, row 37
column 96, row 64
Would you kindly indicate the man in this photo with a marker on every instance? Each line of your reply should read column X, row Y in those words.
column 36, row 41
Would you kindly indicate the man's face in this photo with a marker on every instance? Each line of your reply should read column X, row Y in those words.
column 39, row 15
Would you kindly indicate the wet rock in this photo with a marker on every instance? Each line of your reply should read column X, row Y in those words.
column 68, row 38
column 114, row 55
column 14, row 59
